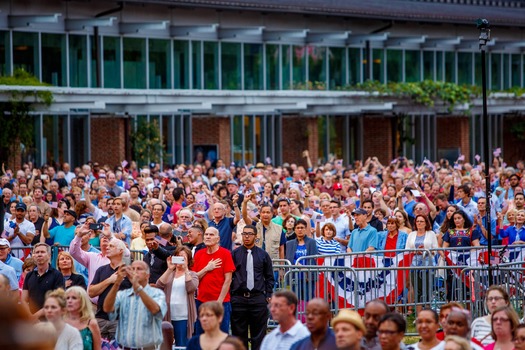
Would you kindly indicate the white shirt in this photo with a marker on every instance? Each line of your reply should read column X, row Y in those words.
column 439, row 346
column 25, row 227
column 277, row 340
column 178, row 301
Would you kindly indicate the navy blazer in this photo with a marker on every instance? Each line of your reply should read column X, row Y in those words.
column 311, row 249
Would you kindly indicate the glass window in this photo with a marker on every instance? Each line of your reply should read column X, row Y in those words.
column 495, row 72
column 159, row 64
column 181, row 64
column 477, row 68
column 94, row 59
column 428, row 65
column 465, row 68
column 412, row 65
column 5, row 49
column 196, row 60
column 317, row 65
column 78, row 61
column 253, row 66
column 394, row 68
column 134, row 63
column 354, row 66
column 286, row 65
column 299, row 65
column 332, row 132
column 450, row 67
column 54, row 138
column 25, row 52
column 79, row 134
column 506, row 71
column 378, row 69
column 336, row 67
column 272, row 67
column 111, row 62
column 54, row 59
column 439, row 66
column 257, row 127
column 211, row 65
column 231, row 66
column 237, row 139
column 516, row 70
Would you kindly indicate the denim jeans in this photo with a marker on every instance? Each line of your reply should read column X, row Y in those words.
column 225, row 324
column 180, row 330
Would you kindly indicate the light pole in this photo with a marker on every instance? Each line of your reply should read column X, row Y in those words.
column 484, row 36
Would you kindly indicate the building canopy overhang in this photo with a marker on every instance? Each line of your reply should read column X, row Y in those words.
column 224, row 103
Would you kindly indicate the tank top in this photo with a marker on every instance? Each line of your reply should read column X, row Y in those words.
column 87, row 337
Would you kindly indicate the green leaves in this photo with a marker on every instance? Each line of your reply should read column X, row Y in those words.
column 426, row 92
column 15, row 119
column 146, row 142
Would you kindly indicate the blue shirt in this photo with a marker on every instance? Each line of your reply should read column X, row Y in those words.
column 327, row 343
column 341, row 227
column 383, row 235
column 123, row 225
column 16, row 264
column 327, row 247
column 137, row 326
column 299, row 252
column 471, row 208
column 62, row 235
column 10, row 273
column 482, row 239
column 409, row 208
column 225, row 227
column 362, row 239
column 514, row 234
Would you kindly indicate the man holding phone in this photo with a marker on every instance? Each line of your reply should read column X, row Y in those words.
column 63, row 234
column 158, row 252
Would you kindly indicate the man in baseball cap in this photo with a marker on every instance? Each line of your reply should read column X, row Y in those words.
column 20, row 231
column 8, row 259
column 363, row 237
column 63, row 234
column 349, row 329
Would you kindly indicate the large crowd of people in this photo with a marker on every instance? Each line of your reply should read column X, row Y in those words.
column 184, row 254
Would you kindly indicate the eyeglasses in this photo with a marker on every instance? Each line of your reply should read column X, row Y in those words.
column 500, row 319
column 248, row 234
column 495, row 298
column 386, row 332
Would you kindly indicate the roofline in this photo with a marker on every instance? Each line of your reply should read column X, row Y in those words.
column 361, row 13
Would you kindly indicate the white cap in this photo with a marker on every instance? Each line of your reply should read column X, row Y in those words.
column 4, row 241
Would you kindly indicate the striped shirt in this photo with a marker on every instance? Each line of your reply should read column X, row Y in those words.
column 325, row 247
column 137, row 326
column 481, row 330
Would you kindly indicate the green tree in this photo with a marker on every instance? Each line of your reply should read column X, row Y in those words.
column 16, row 122
column 146, row 143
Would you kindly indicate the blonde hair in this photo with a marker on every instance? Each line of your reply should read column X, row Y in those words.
column 86, row 310
column 462, row 342
column 73, row 270
column 59, row 295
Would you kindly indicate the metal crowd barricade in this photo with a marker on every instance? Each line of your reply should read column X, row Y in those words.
column 354, row 279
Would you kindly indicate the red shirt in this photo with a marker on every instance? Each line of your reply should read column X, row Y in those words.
column 174, row 209
column 391, row 244
column 210, row 285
